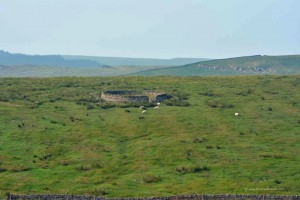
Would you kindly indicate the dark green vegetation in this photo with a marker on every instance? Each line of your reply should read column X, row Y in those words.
column 56, row 137
column 233, row 66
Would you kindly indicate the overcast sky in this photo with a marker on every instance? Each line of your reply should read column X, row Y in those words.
column 151, row 28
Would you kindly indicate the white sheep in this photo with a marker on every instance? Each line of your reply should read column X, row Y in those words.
column 142, row 107
column 158, row 104
column 236, row 114
column 156, row 107
column 144, row 111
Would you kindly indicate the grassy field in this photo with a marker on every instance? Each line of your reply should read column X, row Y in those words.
column 56, row 137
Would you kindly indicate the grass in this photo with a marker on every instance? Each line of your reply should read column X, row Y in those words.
column 55, row 137
column 248, row 65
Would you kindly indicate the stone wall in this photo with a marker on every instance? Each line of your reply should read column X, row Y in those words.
column 125, row 96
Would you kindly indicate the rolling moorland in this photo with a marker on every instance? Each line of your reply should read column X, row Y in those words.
column 22, row 65
column 19, row 65
column 248, row 65
column 7, row 58
column 147, row 62
column 56, row 136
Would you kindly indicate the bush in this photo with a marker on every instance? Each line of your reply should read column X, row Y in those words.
column 187, row 169
column 99, row 192
column 183, row 170
column 151, row 179
column 207, row 93
column 2, row 170
column 90, row 106
column 20, row 168
column 107, row 106
column 199, row 140
column 200, row 169
column 175, row 101
column 216, row 103
column 82, row 168
column 270, row 109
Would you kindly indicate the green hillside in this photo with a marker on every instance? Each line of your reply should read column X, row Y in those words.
column 234, row 66
column 56, row 137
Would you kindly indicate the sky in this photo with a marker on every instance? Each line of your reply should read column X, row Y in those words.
column 151, row 28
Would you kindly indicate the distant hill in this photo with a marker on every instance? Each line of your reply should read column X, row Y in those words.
column 53, row 71
column 7, row 58
column 122, row 61
column 19, row 65
column 289, row 64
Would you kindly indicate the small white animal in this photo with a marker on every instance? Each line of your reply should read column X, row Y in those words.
column 237, row 114
column 141, row 107
column 156, row 107
column 144, row 111
column 158, row 104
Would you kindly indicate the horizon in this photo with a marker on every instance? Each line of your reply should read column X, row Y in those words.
column 144, row 57
column 156, row 29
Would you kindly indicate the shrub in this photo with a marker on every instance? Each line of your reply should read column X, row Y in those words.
column 270, row 109
column 200, row 169
column 82, row 168
column 53, row 122
column 199, row 140
column 216, row 103
column 99, row 192
column 107, row 106
column 183, row 169
column 90, row 106
column 207, row 93
column 175, row 101
column 187, row 169
column 2, row 170
column 20, row 168
column 151, row 178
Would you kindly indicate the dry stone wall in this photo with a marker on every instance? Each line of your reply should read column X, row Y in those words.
column 125, row 96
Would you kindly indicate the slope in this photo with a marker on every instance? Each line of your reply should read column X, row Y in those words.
column 289, row 64
column 56, row 137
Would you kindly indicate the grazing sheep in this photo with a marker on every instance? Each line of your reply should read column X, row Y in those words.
column 158, row 104
column 142, row 107
column 156, row 107
column 144, row 111
column 236, row 114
